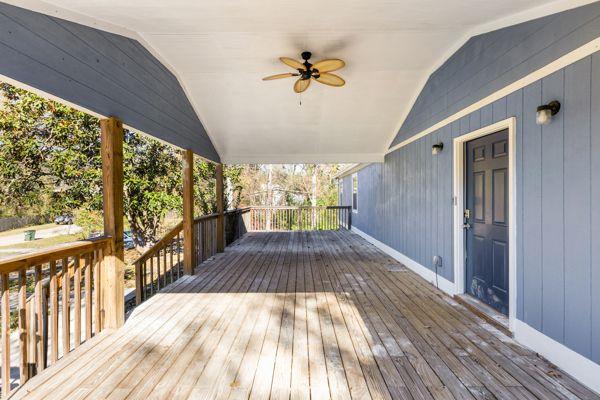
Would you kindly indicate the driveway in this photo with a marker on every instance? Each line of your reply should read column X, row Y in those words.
column 40, row 234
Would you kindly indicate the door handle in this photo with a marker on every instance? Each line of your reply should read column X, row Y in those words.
column 467, row 226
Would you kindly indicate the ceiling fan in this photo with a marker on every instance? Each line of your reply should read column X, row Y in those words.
column 319, row 71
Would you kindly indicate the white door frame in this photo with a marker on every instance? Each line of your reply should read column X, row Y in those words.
column 459, row 207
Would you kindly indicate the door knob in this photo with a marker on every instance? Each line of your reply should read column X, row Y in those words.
column 467, row 226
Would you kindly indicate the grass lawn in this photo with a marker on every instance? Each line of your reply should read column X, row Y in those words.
column 42, row 243
column 21, row 230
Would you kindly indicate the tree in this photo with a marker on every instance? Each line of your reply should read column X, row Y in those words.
column 50, row 163
column 152, row 185
column 290, row 184
column 205, row 187
column 49, row 155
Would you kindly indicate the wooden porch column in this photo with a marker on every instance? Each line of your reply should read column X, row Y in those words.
column 112, row 275
column 220, row 218
column 188, row 212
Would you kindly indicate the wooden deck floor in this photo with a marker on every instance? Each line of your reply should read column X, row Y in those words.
column 302, row 315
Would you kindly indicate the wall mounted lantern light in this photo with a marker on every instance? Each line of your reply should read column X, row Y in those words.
column 546, row 112
column 436, row 148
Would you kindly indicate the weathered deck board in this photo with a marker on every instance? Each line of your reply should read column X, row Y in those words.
column 294, row 315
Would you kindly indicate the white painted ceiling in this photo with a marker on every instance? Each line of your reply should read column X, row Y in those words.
column 220, row 50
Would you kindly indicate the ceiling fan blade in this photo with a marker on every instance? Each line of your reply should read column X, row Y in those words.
column 292, row 63
column 330, row 79
column 301, row 85
column 329, row 65
column 279, row 76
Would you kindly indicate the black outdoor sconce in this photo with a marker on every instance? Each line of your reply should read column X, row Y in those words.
column 436, row 148
column 546, row 112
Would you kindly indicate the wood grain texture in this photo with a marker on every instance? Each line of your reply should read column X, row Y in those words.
column 113, row 278
column 299, row 314
column 188, row 212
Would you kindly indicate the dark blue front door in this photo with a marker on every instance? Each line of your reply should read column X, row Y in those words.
column 486, row 219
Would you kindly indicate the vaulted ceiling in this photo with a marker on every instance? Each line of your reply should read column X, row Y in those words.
column 220, row 50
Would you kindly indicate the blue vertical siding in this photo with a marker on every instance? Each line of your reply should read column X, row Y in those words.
column 489, row 62
column 106, row 73
column 406, row 202
column 577, row 208
column 532, row 208
column 595, row 210
column 552, row 188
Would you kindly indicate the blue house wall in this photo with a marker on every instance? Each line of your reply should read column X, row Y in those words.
column 108, row 74
column 407, row 202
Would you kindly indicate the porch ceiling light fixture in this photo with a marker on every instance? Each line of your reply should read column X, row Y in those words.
column 546, row 112
column 437, row 148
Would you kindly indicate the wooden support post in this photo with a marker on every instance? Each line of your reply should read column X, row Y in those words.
column 113, row 279
column 220, row 218
column 188, row 212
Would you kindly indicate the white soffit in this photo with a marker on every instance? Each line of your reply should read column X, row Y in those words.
column 220, row 50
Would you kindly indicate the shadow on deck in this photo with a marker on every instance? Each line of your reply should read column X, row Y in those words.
column 302, row 315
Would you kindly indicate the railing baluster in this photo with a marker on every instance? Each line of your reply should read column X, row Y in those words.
column 77, row 298
column 139, row 287
column 151, row 275
column 53, row 312
column 5, row 335
column 178, row 255
column 144, row 290
column 66, row 307
column 39, row 329
column 171, row 256
column 164, row 267
column 97, row 292
column 23, row 365
column 87, row 278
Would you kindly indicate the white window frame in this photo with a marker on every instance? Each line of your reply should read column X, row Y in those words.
column 355, row 203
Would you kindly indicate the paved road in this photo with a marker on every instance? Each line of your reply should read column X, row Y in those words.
column 40, row 234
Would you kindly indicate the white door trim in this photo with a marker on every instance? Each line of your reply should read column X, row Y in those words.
column 459, row 206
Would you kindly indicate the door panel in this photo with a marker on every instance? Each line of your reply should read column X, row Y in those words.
column 487, row 222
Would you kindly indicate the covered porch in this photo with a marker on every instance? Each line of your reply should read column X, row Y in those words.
column 302, row 314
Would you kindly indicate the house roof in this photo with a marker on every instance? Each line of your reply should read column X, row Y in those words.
column 219, row 51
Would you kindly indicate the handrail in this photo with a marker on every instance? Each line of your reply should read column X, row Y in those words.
column 149, row 276
column 206, row 217
column 162, row 263
column 298, row 207
column 158, row 245
column 16, row 263
column 299, row 218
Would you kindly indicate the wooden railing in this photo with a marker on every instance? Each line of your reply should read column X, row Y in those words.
column 205, row 237
column 299, row 218
column 160, row 265
column 236, row 224
column 50, row 304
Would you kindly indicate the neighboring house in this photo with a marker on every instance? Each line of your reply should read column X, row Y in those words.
column 507, row 211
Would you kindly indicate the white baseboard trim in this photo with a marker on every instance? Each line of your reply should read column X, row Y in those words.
column 427, row 274
column 581, row 368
